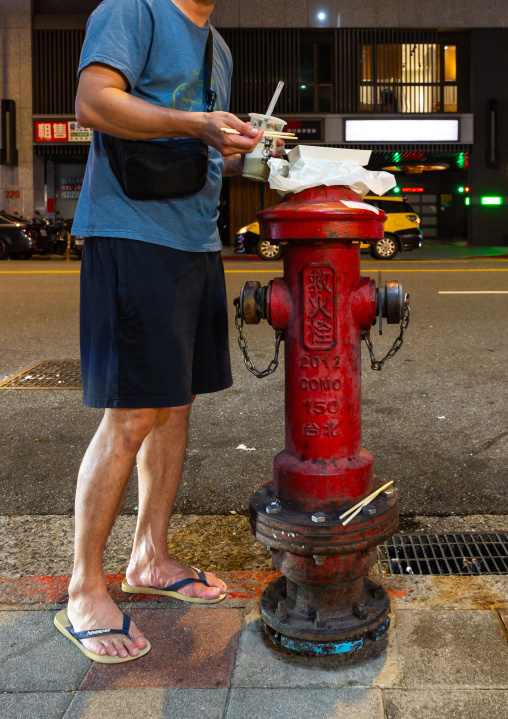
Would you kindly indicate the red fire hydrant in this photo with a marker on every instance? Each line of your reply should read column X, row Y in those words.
column 324, row 604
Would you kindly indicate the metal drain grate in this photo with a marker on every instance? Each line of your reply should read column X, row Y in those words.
column 49, row 374
column 445, row 554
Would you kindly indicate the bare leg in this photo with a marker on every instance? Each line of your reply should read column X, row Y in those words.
column 102, row 483
column 160, row 463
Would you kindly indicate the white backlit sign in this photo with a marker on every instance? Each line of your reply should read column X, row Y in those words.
column 402, row 130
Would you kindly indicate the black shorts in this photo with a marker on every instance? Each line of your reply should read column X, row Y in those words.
column 154, row 324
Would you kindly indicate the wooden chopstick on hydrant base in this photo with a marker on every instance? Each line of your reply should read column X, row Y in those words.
column 361, row 504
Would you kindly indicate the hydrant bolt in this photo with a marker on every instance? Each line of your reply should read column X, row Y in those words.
column 369, row 510
column 320, row 559
column 389, row 493
column 273, row 508
column 360, row 612
column 318, row 517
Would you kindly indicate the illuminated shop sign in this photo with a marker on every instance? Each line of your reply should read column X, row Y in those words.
column 61, row 131
column 402, row 130
column 70, row 188
column 307, row 130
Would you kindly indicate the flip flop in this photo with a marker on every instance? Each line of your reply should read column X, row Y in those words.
column 172, row 590
column 62, row 623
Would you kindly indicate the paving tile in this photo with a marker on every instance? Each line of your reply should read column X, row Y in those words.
column 34, row 656
column 152, row 703
column 472, row 704
column 42, row 705
column 259, row 666
column 190, row 648
column 453, row 649
column 312, row 703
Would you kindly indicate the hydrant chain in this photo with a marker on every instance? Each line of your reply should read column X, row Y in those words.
column 242, row 342
column 376, row 364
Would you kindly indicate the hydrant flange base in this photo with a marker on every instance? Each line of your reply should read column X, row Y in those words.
column 295, row 532
column 343, row 632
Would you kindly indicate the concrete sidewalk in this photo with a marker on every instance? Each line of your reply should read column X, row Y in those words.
column 447, row 658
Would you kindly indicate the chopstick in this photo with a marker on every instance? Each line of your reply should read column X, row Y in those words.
column 268, row 133
column 362, row 504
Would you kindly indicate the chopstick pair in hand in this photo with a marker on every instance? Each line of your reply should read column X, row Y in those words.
column 268, row 133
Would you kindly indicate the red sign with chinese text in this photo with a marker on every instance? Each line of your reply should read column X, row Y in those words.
column 52, row 131
column 319, row 307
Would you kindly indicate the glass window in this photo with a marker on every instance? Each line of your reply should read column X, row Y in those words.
column 306, row 98
column 324, row 98
column 450, row 63
column 324, row 63
column 306, row 64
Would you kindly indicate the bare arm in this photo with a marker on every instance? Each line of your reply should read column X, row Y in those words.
column 103, row 103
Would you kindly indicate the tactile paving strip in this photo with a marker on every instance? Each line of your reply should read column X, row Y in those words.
column 48, row 374
column 444, row 554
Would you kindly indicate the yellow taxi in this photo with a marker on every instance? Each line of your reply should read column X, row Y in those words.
column 402, row 232
column 402, row 227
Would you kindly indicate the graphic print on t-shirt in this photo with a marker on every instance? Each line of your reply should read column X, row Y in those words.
column 190, row 97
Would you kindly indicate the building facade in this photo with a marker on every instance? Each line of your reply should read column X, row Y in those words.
column 421, row 84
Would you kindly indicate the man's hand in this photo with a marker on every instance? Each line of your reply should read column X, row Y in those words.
column 209, row 130
column 233, row 165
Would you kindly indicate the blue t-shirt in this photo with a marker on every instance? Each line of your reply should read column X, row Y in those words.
column 161, row 53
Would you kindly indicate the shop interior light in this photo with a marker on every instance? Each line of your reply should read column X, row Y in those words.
column 321, row 16
column 491, row 201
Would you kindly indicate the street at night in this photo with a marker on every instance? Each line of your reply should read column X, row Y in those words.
column 434, row 418
column 253, row 359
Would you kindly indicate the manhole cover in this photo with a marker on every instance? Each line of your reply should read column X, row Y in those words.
column 49, row 374
column 444, row 554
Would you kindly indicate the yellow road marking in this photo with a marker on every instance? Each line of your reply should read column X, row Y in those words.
column 251, row 270
column 254, row 271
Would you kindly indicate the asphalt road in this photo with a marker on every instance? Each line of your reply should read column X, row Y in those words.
column 435, row 418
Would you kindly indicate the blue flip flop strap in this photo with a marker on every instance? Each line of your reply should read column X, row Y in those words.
column 92, row 633
column 184, row 582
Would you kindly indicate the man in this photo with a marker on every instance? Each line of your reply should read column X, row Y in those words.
column 153, row 305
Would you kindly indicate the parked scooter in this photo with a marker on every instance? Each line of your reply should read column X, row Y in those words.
column 63, row 228
column 45, row 234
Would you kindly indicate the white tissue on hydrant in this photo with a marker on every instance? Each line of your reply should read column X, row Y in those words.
column 307, row 172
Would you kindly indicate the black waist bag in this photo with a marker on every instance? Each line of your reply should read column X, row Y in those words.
column 163, row 170
column 158, row 170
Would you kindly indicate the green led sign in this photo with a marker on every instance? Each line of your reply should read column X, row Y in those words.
column 396, row 189
column 491, row 201
column 462, row 189
column 461, row 160
column 468, row 200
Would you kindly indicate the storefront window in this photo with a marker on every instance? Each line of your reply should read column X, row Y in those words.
column 409, row 78
column 450, row 63
column 316, row 70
